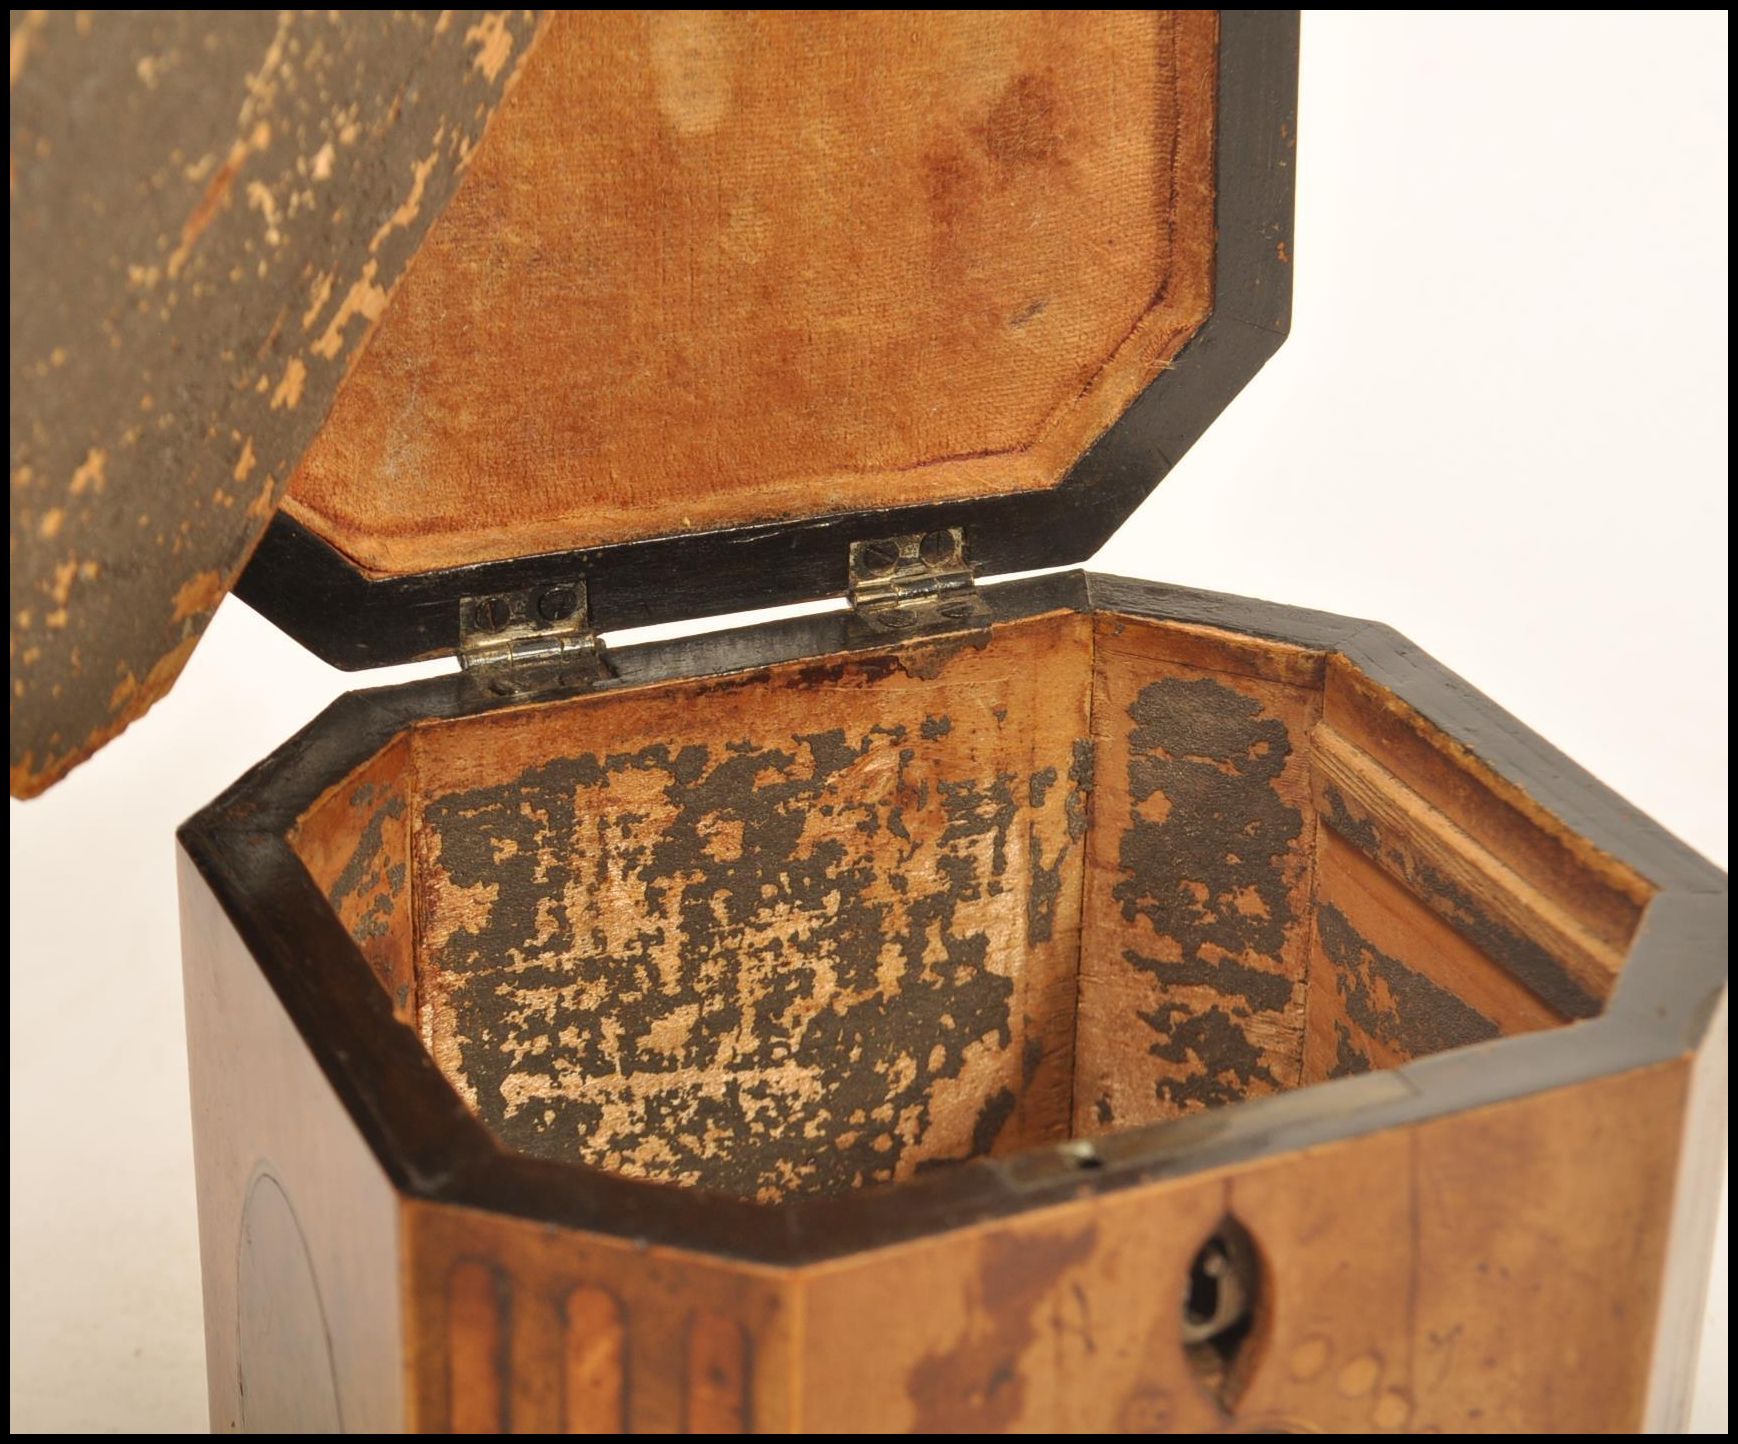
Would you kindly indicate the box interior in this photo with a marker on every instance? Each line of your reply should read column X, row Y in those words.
column 832, row 923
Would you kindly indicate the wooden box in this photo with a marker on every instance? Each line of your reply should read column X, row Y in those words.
column 1065, row 1004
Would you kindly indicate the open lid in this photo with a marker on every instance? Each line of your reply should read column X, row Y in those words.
column 721, row 293
column 209, row 211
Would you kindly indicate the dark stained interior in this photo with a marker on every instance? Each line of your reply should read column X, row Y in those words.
column 832, row 923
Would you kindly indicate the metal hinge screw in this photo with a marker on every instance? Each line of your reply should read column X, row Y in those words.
column 558, row 604
column 529, row 641
column 916, row 582
column 491, row 613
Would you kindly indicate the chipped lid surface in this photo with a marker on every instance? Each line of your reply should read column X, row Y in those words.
column 209, row 212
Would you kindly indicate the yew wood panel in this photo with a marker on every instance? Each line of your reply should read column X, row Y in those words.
column 1496, row 1271
column 299, row 1230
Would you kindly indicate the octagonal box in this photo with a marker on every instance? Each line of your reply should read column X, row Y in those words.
column 799, row 1032
column 1058, row 1004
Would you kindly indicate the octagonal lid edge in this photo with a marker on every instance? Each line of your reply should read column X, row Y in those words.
column 720, row 297
column 692, row 316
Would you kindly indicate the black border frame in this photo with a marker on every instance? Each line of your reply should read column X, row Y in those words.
column 354, row 620
column 1667, row 1003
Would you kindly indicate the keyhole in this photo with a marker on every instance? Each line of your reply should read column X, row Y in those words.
column 1219, row 1310
column 1218, row 1296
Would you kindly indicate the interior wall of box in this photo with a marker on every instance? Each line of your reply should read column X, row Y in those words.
column 831, row 923
column 1293, row 878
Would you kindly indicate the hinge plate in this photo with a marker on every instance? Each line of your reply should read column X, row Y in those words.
column 920, row 582
column 533, row 640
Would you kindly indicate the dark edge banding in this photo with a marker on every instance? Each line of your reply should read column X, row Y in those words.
column 356, row 621
column 434, row 1149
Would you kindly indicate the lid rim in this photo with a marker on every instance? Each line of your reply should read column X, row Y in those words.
column 356, row 620
column 436, row 1151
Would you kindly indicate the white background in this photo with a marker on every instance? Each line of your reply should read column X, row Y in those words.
column 1500, row 425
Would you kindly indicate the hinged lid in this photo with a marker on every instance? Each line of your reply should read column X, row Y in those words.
column 516, row 641
column 722, row 294
column 906, row 584
column 209, row 211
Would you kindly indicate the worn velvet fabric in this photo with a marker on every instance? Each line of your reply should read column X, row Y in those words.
column 709, row 269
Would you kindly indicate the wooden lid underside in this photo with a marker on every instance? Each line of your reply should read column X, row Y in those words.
column 716, row 269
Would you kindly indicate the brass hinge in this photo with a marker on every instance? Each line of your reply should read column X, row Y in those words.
column 919, row 582
column 532, row 640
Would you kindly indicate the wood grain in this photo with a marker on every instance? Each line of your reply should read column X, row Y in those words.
column 1477, row 1245
column 713, row 268
column 265, row 1118
column 1390, row 981
column 618, row 895
column 1193, row 961
column 1604, row 893
column 593, row 1393
column 1535, row 936
column 209, row 211
column 355, row 843
column 700, row 1344
column 1537, row 1300
column 1490, row 1272
column 793, row 931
